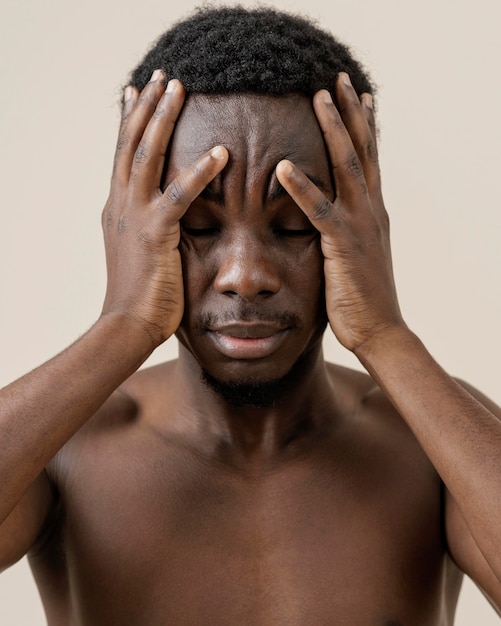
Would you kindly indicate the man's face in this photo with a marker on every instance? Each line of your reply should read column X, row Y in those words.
column 253, row 269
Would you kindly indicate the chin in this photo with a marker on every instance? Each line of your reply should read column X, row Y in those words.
column 258, row 391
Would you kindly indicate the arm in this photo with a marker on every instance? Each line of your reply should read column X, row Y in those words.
column 460, row 435
column 142, row 308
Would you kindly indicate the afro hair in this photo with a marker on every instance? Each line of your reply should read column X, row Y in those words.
column 228, row 50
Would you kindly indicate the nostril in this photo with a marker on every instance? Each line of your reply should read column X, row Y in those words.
column 248, row 272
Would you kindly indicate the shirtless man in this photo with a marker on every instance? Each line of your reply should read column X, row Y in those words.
column 249, row 481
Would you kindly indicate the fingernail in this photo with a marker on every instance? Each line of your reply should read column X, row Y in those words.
column 345, row 78
column 172, row 85
column 287, row 169
column 217, row 152
column 368, row 100
column 156, row 75
column 128, row 93
column 326, row 96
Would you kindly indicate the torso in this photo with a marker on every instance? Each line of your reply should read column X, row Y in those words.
column 153, row 531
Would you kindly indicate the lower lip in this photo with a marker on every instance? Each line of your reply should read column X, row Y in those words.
column 247, row 347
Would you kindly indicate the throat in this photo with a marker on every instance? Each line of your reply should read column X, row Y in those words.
column 266, row 422
column 249, row 421
column 260, row 439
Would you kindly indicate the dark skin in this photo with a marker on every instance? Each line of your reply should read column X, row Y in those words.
column 143, row 497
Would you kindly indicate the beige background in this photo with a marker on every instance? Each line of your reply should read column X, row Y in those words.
column 436, row 62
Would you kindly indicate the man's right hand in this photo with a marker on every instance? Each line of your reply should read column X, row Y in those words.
column 140, row 221
column 41, row 411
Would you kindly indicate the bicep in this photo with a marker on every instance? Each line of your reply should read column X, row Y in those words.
column 24, row 525
column 465, row 552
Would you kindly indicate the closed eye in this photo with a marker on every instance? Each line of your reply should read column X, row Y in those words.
column 200, row 232
column 289, row 232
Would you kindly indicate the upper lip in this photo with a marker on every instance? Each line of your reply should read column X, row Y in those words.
column 249, row 330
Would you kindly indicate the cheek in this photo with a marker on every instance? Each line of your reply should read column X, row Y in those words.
column 309, row 288
column 306, row 270
column 196, row 271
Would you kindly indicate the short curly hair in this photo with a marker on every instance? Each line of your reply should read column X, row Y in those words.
column 228, row 50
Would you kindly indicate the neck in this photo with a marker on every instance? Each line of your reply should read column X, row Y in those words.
column 258, row 435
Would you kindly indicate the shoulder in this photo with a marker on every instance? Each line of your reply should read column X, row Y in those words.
column 120, row 419
column 377, row 430
column 363, row 393
column 141, row 393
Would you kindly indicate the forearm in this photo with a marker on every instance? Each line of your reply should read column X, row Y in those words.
column 42, row 410
column 461, row 437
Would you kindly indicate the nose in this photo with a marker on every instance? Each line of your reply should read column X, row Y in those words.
column 247, row 269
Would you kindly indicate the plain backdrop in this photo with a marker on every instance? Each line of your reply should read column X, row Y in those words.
column 436, row 64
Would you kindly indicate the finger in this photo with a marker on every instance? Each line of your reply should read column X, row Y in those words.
column 310, row 199
column 130, row 98
column 131, row 94
column 187, row 186
column 354, row 115
column 346, row 166
column 366, row 101
column 149, row 158
column 136, row 114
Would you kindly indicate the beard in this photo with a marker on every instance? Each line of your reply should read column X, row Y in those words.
column 259, row 394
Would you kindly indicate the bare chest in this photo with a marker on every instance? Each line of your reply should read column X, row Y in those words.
column 185, row 542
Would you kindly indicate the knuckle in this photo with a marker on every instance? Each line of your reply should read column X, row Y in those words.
column 123, row 141
column 338, row 123
column 322, row 209
column 145, row 238
column 107, row 217
column 334, row 130
column 126, row 111
column 384, row 219
column 175, row 192
column 372, row 125
column 123, row 224
column 160, row 112
column 353, row 166
column 144, row 99
column 133, row 177
column 371, row 151
column 142, row 152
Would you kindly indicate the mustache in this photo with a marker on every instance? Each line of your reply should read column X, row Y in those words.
column 210, row 319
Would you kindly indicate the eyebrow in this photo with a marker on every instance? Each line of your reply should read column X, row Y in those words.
column 211, row 194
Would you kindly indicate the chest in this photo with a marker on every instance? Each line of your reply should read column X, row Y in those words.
column 199, row 544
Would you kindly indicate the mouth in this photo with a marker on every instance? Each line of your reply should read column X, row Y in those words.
column 247, row 340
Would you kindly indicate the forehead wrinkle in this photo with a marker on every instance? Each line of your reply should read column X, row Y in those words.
column 216, row 125
column 257, row 136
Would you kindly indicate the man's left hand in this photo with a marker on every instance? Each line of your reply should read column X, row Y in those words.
column 360, row 290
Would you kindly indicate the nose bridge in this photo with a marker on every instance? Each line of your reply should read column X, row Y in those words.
column 246, row 266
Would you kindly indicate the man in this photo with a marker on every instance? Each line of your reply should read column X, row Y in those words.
column 249, row 482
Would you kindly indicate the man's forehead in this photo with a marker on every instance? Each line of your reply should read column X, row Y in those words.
column 259, row 105
column 281, row 126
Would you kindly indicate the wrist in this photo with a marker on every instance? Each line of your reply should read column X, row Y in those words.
column 128, row 336
column 386, row 344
